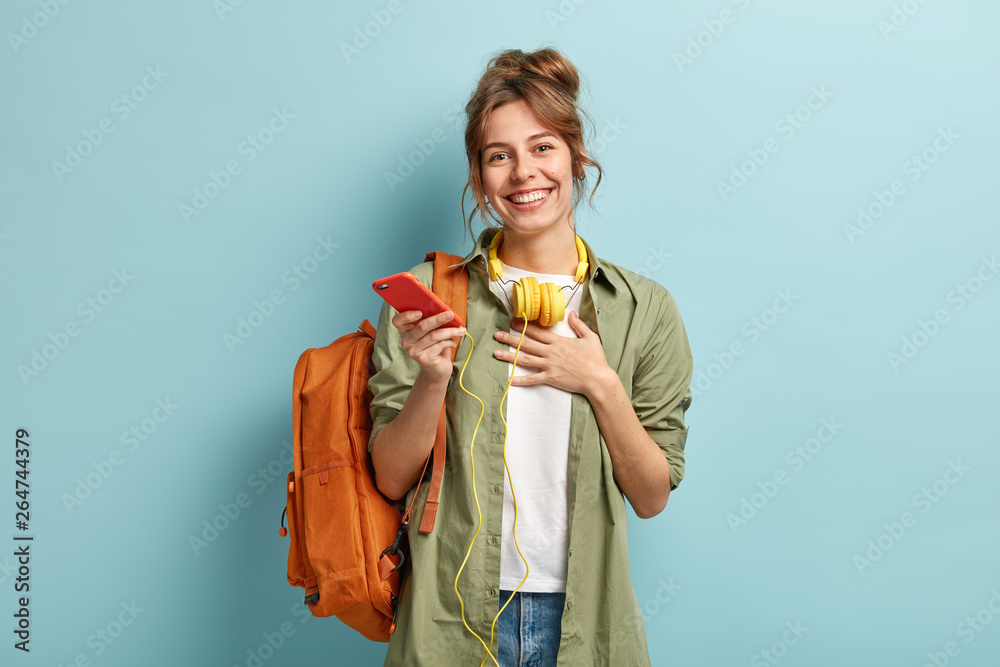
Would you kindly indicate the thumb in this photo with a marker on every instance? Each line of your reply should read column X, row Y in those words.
column 578, row 324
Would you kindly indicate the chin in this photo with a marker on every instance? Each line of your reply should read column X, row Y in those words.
column 533, row 221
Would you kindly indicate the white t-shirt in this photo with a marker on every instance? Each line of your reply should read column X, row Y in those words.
column 537, row 453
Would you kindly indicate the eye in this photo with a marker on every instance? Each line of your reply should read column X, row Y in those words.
column 544, row 146
column 495, row 156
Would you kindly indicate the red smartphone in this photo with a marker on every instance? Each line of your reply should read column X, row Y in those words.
column 404, row 291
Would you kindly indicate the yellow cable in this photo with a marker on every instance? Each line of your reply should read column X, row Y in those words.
column 516, row 545
column 476, row 496
column 489, row 648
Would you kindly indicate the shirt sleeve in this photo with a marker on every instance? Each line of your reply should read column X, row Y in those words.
column 395, row 372
column 661, row 388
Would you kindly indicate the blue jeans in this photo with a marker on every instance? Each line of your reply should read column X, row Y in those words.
column 529, row 629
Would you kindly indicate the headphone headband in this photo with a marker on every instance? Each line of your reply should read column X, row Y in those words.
column 496, row 269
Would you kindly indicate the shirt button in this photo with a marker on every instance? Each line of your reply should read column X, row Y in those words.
column 499, row 438
column 570, row 552
column 569, row 605
column 493, row 592
column 500, row 390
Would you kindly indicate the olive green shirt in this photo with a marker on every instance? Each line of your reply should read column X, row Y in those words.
column 645, row 341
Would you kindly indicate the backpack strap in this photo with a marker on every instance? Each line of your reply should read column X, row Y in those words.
column 452, row 286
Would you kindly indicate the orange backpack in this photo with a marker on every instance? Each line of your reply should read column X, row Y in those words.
column 346, row 546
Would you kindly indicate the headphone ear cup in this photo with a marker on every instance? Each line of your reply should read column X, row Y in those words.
column 553, row 305
column 534, row 298
column 526, row 298
column 545, row 305
column 557, row 304
column 519, row 306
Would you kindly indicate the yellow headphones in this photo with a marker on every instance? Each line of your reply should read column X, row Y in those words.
column 544, row 302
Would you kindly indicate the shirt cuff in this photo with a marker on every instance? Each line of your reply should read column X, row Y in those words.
column 671, row 443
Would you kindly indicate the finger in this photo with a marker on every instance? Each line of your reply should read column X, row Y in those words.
column 433, row 322
column 523, row 359
column 527, row 343
column 432, row 338
column 535, row 331
column 441, row 348
column 445, row 333
column 404, row 320
column 420, row 329
column 527, row 379
column 579, row 325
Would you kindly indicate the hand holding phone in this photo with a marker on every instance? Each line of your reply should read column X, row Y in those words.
column 428, row 326
column 405, row 292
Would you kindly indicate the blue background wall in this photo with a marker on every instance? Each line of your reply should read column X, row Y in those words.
column 842, row 458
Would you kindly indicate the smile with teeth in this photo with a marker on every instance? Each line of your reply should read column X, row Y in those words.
column 529, row 197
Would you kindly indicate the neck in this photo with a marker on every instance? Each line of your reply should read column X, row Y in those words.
column 550, row 251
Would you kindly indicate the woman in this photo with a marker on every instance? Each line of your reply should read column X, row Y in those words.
column 594, row 408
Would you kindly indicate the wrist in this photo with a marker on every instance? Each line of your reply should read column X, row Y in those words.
column 605, row 383
column 432, row 383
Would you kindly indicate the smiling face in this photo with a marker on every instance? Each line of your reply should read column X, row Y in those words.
column 527, row 170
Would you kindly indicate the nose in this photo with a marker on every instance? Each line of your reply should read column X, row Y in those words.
column 523, row 170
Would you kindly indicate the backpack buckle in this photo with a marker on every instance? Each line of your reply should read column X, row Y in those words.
column 394, row 549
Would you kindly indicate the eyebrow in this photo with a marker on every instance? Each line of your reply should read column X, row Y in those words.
column 533, row 137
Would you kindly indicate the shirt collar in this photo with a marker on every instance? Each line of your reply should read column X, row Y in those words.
column 597, row 269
